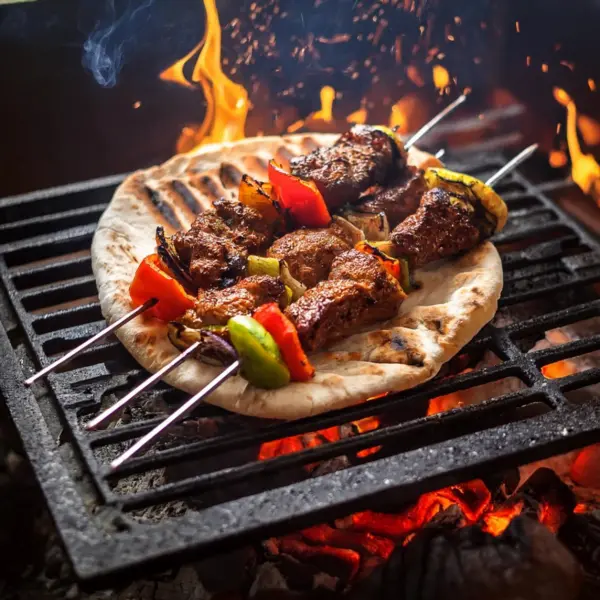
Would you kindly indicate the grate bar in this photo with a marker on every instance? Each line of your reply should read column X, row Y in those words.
column 550, row 255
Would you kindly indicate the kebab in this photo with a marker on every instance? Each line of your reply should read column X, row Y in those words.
column 350, row 271
column 133, row 314
column 353, row 267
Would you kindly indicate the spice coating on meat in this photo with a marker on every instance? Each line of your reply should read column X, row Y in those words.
column 360, row 266
column 212, row 260
column 441, row 227
column 399, row 199
column 247, row 226
column 216, row 307
column 217, row 245
column 362, row 157
column 309, row 252
column 358, row 292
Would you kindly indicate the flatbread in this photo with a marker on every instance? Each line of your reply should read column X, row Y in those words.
column 456, row 299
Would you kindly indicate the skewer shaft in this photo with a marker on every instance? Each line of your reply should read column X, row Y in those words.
column 142, row 387
column 431, row 124
column 511, row 165
column 100, row 335
column 178, row 414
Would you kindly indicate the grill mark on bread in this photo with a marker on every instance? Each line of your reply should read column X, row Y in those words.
column 208, row 185
column 230, row 175
column 183, row 192
column 163, row 206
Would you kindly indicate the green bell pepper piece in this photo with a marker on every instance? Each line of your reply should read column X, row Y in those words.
column 261, row 265
column 261, row 362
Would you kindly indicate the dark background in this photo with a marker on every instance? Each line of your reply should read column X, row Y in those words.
column 63, row 122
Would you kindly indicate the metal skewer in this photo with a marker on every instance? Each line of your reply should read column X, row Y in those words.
column 431, row 124
column 511, row 165
column 100, row 335
column 180, row 412
column 140, row 309
column 217, row 381
column 142, row 387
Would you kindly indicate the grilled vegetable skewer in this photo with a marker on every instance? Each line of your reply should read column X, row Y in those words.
column 196, row 399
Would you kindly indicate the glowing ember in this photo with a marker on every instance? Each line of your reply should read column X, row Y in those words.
column 226, row 102
column 559, row 369
column 496, row 522
column 558, row 159
column 441, row 77
column 585, row 170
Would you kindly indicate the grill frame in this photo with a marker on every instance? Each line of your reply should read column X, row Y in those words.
column 100, row 552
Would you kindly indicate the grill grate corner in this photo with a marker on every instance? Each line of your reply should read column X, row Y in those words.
column 203, row 489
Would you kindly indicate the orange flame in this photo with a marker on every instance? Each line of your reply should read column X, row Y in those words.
column 227, row 102
column 585, row 170
column 326, row 113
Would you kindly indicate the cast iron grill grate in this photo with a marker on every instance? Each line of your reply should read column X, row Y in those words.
column 203, row 488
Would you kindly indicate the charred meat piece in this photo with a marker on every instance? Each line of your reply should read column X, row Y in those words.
column 216, row 246
column 399, row 199
column 442, row 226
column 216, row 307
column 362, row 157
column 212, row 260
column 358, row 292
column 247, row 226
column 310, row 252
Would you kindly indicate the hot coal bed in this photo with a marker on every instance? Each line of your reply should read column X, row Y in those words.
column 482, row 483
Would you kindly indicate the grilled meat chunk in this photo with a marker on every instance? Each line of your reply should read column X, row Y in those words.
column 358, row 292
column 310, row 252
column 212, row 260
column 216, row 307
column 442, row 226
column 216, row 246
column 362, row 157
column 399, row 199
column 247, row 226
column 360, row 266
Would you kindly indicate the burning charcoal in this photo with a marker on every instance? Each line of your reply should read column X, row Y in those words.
column 227, row 572
column 268, row 577
column 363, row 543
column 332, row 465
column 526, row 563
column 339, row 562
column 546, row 494
column 502, row 484
column 585, row 470
column 301, row 576
column 581, row 534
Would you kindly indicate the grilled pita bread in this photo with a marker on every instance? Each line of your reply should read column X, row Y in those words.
column 456, row 299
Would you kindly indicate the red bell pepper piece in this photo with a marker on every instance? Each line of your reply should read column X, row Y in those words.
column 285, row 335
column 299, row 197
column 151, row 281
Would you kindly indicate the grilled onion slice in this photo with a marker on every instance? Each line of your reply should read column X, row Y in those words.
column 213, row 350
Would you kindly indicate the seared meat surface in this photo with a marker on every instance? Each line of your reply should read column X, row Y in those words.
column 360, row 266
column 247, row 226
column 358, row 292
column 442, row 227
column 399, row 199
column 216, row 246
column 216, row 307
column 310, row 252
column 362, row 157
